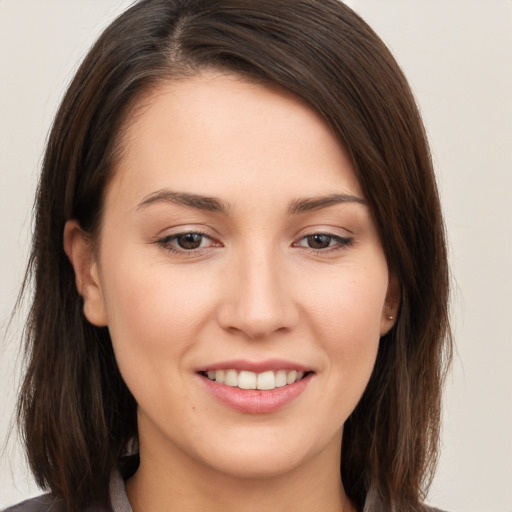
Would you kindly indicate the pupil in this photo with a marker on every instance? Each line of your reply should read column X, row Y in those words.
column 319, row 241
column 189, row 241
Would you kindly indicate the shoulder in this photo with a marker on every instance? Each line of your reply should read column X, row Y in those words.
column 118, row 499
column 432, row 509
column 45, row 503
column 379, row 506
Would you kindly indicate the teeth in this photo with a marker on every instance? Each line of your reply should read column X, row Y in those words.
column 266, row 380
column 280, row 378
column 251, row 380
column 231, row 378
column 291, row 376
column 247, row 380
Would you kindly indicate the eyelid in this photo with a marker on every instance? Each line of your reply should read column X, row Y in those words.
column 341, row 241
column 166, row 241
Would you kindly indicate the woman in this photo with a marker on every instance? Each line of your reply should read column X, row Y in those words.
column 240, row 270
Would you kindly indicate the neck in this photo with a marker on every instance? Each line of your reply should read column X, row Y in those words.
column 176, row 482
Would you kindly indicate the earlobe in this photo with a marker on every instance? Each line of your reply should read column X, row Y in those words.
column 79, row 249
column 391, row 305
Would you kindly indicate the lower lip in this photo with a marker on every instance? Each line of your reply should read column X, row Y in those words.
column 255, row 401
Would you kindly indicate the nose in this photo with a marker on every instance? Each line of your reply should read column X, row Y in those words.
column 257, row 299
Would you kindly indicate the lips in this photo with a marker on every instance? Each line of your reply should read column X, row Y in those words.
column 256, row 387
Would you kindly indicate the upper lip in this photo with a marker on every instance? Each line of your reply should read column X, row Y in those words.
column 255, row 366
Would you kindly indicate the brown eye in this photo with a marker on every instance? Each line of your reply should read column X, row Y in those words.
column 189, row 241
column 319, row 241
column 324, row 242
column 186, row 243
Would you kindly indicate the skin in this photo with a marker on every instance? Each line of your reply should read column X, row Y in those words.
column 255, row 289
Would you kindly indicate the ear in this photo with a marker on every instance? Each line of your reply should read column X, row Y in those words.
column 79, row 249
column 391, row 305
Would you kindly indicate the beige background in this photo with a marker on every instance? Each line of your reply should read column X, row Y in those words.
column 458, row 57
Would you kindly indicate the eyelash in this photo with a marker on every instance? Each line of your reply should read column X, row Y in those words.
column 336, row 243
column 167, row 243
column 340, row 242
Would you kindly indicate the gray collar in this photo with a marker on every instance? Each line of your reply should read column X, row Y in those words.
column 118, row 498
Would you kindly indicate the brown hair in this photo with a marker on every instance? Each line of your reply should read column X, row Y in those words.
column 76, row 412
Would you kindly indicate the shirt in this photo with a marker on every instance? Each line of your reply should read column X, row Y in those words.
column 119, row 500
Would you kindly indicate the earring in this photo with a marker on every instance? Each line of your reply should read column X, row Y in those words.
column 389, row 317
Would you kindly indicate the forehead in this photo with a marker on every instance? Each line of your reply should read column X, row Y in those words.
column 214, row 129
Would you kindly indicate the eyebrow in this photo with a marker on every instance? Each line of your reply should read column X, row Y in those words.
column 317, row 203
column 199, row 202
column 216, row 205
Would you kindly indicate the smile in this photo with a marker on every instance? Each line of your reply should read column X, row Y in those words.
column 245, row 379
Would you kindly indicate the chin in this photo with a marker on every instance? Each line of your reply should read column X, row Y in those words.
column 271, row 455
column 258, row 466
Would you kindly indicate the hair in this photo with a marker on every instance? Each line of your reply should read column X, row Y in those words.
column 76, row 414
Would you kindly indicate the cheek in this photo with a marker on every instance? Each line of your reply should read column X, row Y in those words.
column 349, row 303
column 155, row 317
column 346, row 314
column 155, row 314
column 153, row 300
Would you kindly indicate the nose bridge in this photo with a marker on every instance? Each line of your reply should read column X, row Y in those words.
column 260, row 302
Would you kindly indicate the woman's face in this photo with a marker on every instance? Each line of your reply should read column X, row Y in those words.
column 237, row 251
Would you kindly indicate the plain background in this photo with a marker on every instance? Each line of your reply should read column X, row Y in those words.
column 457, row 55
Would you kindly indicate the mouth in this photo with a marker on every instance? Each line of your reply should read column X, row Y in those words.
column 249, row 380
column 256, row 387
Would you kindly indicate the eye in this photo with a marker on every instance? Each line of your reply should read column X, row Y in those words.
column 186, row 242
column 323, row 241
column 190, row 241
